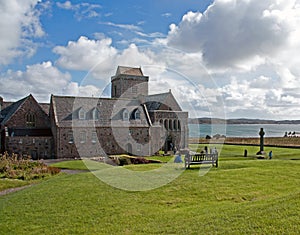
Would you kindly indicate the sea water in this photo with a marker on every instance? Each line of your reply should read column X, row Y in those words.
column 242, row 130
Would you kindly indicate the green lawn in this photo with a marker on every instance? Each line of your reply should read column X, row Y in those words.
column 242, row 196
column 12, row 183
column 236, row 152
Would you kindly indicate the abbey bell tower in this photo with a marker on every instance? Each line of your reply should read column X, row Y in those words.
column 129, row 83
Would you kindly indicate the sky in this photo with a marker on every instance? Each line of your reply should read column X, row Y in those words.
column 222, row 58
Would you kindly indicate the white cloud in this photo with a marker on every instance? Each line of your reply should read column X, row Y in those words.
column 251, row 48
column 74, row 89
column 82, row 10
column 19, row 23
column 130, row 27
column 85, row 53
column 99, row 57
column 167, row 14
column 261, row 82
column 38, row 79
column 262, row 97
column 41, row 80
column 151, row 35
column 237, row 34
column 132, row 56
column 67, row 5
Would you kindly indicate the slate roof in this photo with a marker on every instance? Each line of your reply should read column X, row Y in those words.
column 6, row 104
column 157, row 101
column 9, row 111
column 10, row 108
column 129, row 71
column 153, row 102
column 66, row 111
column 45, row 107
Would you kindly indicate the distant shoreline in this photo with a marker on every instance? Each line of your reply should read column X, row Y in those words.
column 291, row 142
column 206, row 120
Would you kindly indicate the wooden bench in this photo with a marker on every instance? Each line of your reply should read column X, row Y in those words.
column 201, row 158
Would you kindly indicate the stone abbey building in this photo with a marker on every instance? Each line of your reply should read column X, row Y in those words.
column 131, row 121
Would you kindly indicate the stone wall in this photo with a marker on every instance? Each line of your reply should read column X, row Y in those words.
column 91, row 142
column 174, row 126
column 18, row 120
column 36, row 147
column 129, row 87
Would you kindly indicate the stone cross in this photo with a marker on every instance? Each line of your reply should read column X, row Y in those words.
column 261, row 133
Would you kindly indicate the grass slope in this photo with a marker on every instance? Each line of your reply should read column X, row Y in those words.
column 239, row 197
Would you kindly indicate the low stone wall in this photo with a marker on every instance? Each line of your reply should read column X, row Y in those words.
column 268, row 141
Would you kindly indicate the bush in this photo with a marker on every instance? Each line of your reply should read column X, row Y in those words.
column 208, row 137
column 22, row 168
column 140, row 160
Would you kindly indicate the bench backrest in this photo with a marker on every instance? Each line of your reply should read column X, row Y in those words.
column 203, row 157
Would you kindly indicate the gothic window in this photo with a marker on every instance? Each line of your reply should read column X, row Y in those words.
column 175, row 124
column 179, row 127
column 170, row 125
column 166, row 124
column 81, row 114
column 30, row 120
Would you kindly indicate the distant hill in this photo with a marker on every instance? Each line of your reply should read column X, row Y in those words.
column 206, row 120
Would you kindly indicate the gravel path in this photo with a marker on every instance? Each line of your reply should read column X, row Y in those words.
column 11, row 190
column 67, row 171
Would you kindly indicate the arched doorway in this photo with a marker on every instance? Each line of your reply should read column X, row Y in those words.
column 129, row 149
column 169, row 145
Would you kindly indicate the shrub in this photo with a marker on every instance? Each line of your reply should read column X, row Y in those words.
column 19, row 167
column 140, row 160
column 208, row 137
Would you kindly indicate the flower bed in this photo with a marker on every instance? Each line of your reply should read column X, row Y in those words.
column 23, row 168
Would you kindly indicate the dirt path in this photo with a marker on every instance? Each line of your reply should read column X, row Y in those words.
column 11, row 190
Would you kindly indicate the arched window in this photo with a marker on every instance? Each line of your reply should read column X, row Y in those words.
column 166, row 124
column 170, row 124
column 125, row 115
column 81, row 114
column 175, row 124
column 179, row 127
column 30, row 120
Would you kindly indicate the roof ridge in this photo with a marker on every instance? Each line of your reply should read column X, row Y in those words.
column 12, row 109
column 127, row 70
column 165, row 93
